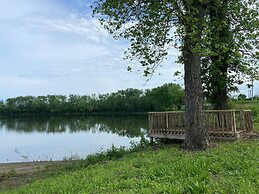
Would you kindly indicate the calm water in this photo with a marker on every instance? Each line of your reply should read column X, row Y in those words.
column 56, row 138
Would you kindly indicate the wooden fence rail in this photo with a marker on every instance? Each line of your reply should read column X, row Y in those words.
column 219, row 123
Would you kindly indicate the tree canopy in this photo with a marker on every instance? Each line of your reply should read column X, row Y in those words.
column 167, row 97
column 231, row 40
column 149, row 26
column 213, row 35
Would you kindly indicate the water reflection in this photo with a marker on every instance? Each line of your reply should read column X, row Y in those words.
column 129, row 126
column 44, row 138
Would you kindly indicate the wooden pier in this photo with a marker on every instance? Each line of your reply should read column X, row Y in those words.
column 221, row 124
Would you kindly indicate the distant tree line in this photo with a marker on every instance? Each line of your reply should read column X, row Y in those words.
column 167, row 97
column 244, row 97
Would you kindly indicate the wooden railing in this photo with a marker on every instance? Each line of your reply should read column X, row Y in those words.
column 244, row 120
column 219, row 123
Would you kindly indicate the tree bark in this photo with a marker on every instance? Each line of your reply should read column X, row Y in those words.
column 221, row 35
column 218, row 79
column 221, row 99
column 196, row 136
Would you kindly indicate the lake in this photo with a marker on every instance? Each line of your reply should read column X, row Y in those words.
column 58, row 138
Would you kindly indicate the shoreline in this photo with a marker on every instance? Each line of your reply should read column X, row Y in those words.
column 15, row 174
column 25, row 167
column 216, row 166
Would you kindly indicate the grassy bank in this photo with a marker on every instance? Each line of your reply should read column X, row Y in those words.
column 226, row 168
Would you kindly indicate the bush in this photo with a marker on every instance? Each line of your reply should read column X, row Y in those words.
column 255, row 111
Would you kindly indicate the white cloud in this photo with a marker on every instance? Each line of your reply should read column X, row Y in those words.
column 47, row 48
column 87, row 28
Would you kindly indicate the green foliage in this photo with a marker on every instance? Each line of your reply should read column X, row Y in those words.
column 255, row 111
column 241, row 97
column 161, row 97
column 146, row 25
column 231, row 40
column 227, row 168
column 166, row 97
column 228, row 29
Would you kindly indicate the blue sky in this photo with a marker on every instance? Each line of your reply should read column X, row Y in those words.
column 56, row 47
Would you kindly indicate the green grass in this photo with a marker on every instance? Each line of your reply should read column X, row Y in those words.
column 226, row 168
column 245, row 104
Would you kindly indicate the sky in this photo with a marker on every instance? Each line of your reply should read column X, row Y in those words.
column 56, row 47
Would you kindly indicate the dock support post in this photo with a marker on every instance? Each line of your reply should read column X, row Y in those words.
column 151, row 141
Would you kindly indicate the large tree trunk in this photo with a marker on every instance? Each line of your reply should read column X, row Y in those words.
column 218, row 80
column 220, row 63
column 221, row 99
column 196, row 136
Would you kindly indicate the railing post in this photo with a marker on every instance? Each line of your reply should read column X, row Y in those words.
column 166, row 118
column 150, row 122
column 248, row 121
column 234, row 126
column 151, row 141
column 242, row 123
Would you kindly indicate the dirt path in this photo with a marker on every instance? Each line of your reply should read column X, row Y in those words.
column 13, row 175
column 22, row 167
